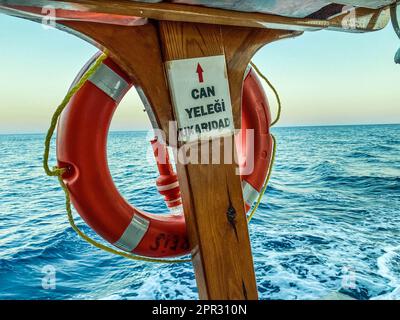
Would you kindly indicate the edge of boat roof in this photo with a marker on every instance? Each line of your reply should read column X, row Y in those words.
column 333, row 16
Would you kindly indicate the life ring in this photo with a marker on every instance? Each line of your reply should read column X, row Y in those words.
column 81, row 150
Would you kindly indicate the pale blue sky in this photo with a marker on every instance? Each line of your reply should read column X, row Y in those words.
column 323, row 77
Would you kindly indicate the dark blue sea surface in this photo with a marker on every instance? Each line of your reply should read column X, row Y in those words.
column 329, row 222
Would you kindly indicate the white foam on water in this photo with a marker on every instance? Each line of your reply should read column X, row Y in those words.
column 112, row 297
column 384, row 270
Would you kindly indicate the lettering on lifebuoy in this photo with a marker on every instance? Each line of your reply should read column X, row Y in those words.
column 201, row 97
column 167, row 242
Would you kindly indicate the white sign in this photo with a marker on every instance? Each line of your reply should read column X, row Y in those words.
column 201, row 97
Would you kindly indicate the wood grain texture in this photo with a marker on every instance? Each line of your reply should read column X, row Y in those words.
column 137, row 51
column 222, row 255
column 212, row 194
column 240, row 45
column 189, row 40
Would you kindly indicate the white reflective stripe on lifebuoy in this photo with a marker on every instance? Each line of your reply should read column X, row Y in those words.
column 168, row 186
column 109, row 82
column 133, row 234
column 147, row 107
column 249, row 193
column 172, row 201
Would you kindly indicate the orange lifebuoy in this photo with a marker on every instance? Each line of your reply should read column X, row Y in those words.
column 81, row 150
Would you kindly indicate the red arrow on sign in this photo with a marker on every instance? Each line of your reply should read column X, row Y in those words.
column 199, row 71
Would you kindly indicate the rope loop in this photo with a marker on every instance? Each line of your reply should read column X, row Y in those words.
column 58, row 172
column 278, row 98
column 271, row 164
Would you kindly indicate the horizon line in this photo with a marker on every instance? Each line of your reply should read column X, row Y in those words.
column 279, row 126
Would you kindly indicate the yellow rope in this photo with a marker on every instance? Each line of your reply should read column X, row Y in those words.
column 59, row 110
column 266, row 182
column 278, row 99
column 58, row 172
column 102, row 246
column 271, row 164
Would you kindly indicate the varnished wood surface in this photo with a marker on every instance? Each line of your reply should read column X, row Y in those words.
column 240, row 45
column 222, row 255
column 221, row 248
column 365, row 19
column 189, row 40
column 137, row 51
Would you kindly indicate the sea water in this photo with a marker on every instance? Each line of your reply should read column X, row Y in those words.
column 329, row 222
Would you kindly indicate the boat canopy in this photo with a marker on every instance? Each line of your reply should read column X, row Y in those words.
column 295, row 15
column 288, row 8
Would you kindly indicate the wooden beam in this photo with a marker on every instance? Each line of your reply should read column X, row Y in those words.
column 137, row 51
column 212, row 193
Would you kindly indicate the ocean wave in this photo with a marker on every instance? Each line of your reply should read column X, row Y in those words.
column 331, row 211
column 389, row 268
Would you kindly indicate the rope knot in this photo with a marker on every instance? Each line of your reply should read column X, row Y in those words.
column 59, row 171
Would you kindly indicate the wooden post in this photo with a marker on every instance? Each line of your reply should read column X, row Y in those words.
column 212, row 193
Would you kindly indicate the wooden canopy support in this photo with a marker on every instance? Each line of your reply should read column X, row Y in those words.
column 212, row 194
